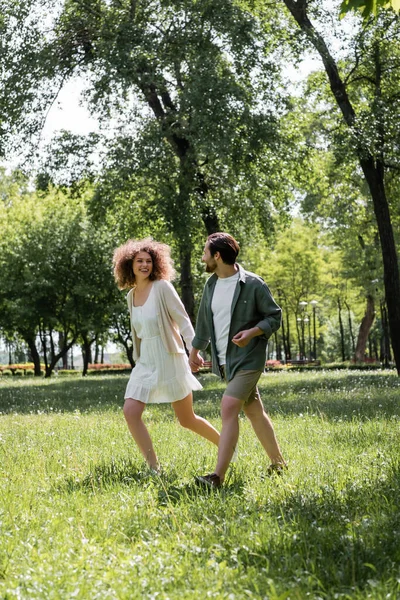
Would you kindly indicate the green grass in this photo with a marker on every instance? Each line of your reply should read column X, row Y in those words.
column 80, row 517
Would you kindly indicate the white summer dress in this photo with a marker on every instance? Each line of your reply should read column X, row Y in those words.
column 157, row 376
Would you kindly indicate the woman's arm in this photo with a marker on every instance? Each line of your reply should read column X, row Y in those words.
column 178, row 313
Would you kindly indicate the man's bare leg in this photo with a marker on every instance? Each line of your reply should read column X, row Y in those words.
column 230, row 410
column 264, row 430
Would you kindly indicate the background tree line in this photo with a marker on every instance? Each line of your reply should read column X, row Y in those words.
column 57, row 287
column 202, row 130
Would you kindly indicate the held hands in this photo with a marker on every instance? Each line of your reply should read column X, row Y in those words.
column 195, row 360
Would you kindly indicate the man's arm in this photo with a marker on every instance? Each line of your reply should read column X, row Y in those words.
column 270, row 322
column 242, row 338
column 272, row 313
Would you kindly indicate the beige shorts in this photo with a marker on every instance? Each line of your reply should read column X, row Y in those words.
column 243, row 386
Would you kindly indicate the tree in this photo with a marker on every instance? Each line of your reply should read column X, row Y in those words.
column 195, row 84
column 368, row 7
column 56, row 279
column 372, row 131
column 292, row 268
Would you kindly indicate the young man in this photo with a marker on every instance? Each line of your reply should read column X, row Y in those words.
column 237, row 314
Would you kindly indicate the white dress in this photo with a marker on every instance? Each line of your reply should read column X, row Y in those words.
column 157, row 376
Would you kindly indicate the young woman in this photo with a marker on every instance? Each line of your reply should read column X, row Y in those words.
column 158, row 320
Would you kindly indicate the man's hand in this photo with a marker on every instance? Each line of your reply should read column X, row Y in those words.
column 195, row 360
column 242, row 338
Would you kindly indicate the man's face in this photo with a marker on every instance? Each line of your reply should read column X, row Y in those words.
column 211, row 263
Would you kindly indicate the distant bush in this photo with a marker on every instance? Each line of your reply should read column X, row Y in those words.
column 29, row 373
column 368, row 366
column 276, row 365
column 6, row 373
column 19, row 373
column 68, row 372
column 24, row 367
column 111, row 371
column 108, row 367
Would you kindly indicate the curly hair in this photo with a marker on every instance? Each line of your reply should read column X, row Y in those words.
column 163, row 267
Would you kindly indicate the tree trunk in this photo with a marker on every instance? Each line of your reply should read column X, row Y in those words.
column 285, row 331
column 285, row 349
column 124, row 337
column 86, row 354
column 61, row 342
column 385, row 340
column 373, row 172
column 49, row 366
column 289, row 348
column 342, row 344
column 42, row 335
column 365, row 327
column 353, row 341
column 186, row 280
column 374, row 176
column 299, row 339
column 34, row 355
column 129, row 354
column 96, row 353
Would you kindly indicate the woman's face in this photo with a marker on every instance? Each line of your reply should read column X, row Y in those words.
column 142, row 266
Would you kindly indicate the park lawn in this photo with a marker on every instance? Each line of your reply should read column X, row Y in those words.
column 80, row 517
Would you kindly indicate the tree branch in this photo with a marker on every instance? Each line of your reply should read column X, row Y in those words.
column 299, row 12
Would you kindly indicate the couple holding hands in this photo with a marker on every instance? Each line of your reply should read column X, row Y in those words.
column 237, row 315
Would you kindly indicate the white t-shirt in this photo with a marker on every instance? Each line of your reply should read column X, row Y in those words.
column 221, row 309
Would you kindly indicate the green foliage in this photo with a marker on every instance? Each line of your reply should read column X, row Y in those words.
column 367, row 7
column 196, row 91
column 68, row 373
column 56, row 277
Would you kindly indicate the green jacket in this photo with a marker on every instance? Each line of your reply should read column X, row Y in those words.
column 252, row 306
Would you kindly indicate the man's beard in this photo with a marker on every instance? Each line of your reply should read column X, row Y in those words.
column 210, row 268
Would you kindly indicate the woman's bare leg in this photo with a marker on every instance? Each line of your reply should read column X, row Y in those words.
column 188, row 419
column 133, row 411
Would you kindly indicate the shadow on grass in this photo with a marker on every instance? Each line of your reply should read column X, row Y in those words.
column 103, row 476
column 63, row 395
column 336, row 540
column 330, row 396
column 118, row 472
column 94, row 394
column 175, row 494
column 125, row 472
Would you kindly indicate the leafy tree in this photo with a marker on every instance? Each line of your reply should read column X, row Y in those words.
column 365, row 94
column 292, row 268
column 368, row 7
column 56, row 280
column 193, row 85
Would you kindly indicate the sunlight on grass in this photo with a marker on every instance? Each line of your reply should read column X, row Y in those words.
column 81, row 516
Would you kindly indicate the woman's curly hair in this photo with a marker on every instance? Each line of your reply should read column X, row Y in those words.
column 163, row 267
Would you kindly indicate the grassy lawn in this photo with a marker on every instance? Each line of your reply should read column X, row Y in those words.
column 81, row 518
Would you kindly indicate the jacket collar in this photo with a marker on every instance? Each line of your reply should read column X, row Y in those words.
column 213, row 279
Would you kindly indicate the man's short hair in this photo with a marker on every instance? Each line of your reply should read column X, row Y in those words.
column 225, row 244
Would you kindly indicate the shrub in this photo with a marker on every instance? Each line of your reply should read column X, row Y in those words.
column 111, row 371
column 19, row 372
column 6, row 372
column 68, row 372
column 108, row 366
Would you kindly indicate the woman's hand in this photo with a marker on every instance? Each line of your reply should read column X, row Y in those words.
column 195, row 360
